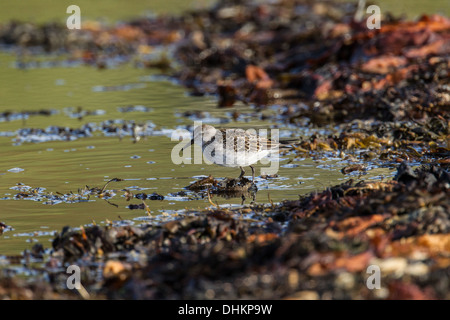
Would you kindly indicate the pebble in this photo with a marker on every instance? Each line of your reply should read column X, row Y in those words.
column 345, row 280
column 394, row 266
column 305, row 295
column 417, row 269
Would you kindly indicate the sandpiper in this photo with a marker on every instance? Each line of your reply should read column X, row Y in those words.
column 232, row 147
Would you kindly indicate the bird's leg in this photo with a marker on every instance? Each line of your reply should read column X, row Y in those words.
column 253, row 173
column 242, row 173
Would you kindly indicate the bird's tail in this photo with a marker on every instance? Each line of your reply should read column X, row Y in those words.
column 289, row 142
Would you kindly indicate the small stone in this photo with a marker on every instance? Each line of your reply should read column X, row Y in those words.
column 417, row 269
column 293, row 278
column 391, row 266
column 345, row 280
column 304, row 295
column 381, row 293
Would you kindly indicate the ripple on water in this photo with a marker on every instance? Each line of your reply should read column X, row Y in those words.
column 138, row 108
column 125, row 87
column 35, row 234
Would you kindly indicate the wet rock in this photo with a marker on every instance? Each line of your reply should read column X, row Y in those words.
column 37, row 251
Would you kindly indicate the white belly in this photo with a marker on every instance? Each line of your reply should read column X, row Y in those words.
column 234, row 159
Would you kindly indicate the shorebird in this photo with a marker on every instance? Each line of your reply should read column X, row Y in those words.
column 232, row 147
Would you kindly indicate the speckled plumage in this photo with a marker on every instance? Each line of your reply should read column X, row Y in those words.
column 233, row 147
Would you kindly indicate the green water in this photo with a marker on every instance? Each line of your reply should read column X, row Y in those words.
column 39, row 11
column 64, row 166
column 116, row 10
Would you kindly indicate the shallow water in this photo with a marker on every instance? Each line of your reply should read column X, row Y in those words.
column 145, row 166
column 114, row 10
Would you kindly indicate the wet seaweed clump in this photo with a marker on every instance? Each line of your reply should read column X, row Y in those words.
column 142, row 196
column 110, row 128
column 24, row 115
column 364, row 144
column 227, row 188
column 51, row 133
column 416, row 202
column 153, row 196
column 222, row 186
column 316, row 247
column 52, row 198
column 2, row 227
column 320, row 56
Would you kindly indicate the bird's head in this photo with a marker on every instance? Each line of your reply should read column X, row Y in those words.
column 202, row 134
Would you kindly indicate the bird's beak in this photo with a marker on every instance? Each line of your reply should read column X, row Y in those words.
column 188, row 144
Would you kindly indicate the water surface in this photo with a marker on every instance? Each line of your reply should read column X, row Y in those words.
column 62, row 89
